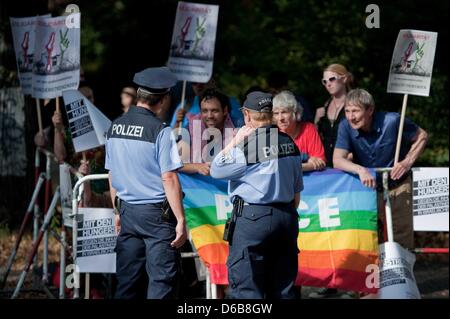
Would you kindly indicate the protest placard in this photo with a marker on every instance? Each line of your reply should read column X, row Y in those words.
column 87, row 124
column 193, row 39
column 56, row 58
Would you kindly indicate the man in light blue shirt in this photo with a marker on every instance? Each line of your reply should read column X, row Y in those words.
column 263, row 166
column 142, row 159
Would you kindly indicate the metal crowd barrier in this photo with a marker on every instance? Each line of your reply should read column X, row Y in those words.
column 211, row 289
column 42, row 233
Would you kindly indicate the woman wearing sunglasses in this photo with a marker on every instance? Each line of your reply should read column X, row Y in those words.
column 337, row 81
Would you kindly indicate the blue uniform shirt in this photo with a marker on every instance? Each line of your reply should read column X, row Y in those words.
column 262, row 172
column 233, row 110
column 377, row 147
column 139, row 148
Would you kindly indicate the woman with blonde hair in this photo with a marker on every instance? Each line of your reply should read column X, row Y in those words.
column 337, row 80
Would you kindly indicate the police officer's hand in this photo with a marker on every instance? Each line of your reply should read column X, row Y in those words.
column 117, row 224
column 181, row 235
column 400, row 169
column 243, row 133
column 366, row 178
column 84, row 167
column 180, row 115
column 203, row 168
column 317, row 163
column 57, row 121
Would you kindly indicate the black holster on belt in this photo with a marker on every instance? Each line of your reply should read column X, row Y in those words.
column 117, row 204
column 166, row 211
column 238, row 205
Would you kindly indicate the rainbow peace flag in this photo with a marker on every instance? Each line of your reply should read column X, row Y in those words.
column 338, row 231
column 337, row 221
column 207, row 208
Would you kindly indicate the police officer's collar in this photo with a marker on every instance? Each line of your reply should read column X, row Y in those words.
column 140, row 110
column 267, row 126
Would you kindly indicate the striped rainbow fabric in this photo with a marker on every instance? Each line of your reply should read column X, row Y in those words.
column 338, row 231
column 337, row 237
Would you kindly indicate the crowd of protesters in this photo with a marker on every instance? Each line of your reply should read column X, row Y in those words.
column 346, row 133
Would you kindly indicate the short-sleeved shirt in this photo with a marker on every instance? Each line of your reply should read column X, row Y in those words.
column 308, row 141
column 234, row 112
column 139, row 149
column 376, row 148
column 263, row 169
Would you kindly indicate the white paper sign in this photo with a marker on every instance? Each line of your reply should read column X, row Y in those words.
column 24, row 36
column 96, row 240
column 56, row 57
column 397, row 279
column 412, row 63
column 88, row 125
column 430, row 199
column 191, row 55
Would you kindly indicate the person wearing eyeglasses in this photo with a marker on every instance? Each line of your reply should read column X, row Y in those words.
column 337, row 80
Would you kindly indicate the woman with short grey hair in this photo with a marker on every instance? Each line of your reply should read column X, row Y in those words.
column 287, row 115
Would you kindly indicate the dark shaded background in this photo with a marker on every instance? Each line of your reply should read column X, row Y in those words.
column 119, row 38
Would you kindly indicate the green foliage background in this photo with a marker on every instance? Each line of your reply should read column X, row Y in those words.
column 120, row 37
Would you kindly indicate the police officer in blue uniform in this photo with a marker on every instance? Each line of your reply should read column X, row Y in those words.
column 142, row 159
column 263, row 166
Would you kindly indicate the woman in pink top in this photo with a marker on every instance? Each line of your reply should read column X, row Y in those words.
column 287, row 114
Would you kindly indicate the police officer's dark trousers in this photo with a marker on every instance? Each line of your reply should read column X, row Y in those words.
column 263, row 257
column 144, row 241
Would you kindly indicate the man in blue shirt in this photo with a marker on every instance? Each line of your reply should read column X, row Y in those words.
column 263, row 166
column 371, row 137
column 142, row 159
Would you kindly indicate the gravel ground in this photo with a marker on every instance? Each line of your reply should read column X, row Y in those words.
column 431, row 272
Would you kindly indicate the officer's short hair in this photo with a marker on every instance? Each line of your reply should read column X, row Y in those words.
column 214, row 93
column 260, row 116
column 149, row 98
column 360, row 97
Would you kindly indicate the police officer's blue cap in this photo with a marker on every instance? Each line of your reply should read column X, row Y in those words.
column 155, row 80
column 259, row 102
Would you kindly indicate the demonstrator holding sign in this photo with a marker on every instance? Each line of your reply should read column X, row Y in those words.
column 371, row 136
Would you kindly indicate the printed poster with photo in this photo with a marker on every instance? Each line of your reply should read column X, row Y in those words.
column 412, row 63
column 56, row 58
column 24, row 36
column 191, row 54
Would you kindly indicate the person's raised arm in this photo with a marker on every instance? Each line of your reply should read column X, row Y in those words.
column 58, row 143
